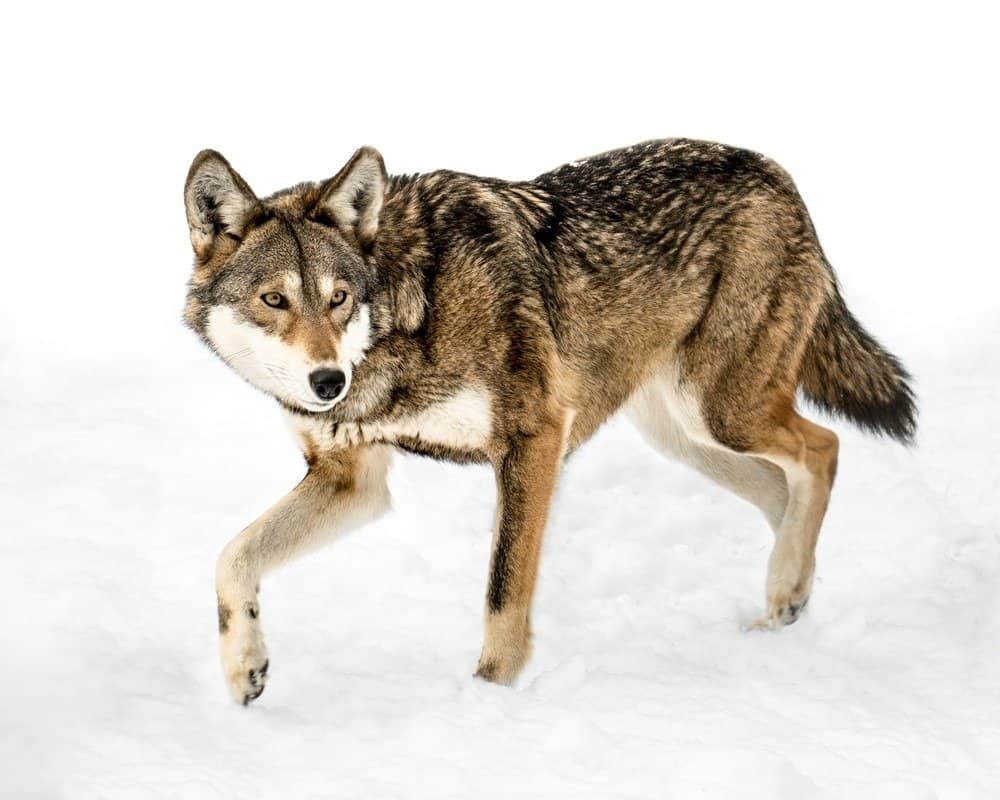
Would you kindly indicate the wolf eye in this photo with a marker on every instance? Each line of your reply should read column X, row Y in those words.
column 274, row 300
column 338, row 298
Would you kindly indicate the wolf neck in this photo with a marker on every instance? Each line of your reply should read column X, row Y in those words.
column 405, row 259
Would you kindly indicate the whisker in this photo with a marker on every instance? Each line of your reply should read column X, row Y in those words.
column 236, row 354
column 282, row 377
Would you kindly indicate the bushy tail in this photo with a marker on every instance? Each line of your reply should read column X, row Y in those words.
column 847, row 372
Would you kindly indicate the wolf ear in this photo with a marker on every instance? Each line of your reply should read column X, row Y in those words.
column 352, row 199
column 218, row 201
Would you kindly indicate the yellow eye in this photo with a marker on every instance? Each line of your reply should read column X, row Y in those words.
column 338, row 299
column 274, row 300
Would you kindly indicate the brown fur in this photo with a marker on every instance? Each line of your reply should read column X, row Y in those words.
column 681, row 280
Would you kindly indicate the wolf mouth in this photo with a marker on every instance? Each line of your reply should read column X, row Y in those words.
column 311, row 407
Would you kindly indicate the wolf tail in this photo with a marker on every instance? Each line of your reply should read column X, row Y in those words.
column 847, row 372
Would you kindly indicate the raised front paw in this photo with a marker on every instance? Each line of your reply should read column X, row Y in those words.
column 244, row 656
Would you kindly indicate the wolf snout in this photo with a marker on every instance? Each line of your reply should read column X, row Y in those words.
column 327, row 383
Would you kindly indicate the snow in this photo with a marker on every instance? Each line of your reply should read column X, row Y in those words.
column 130, row 455
column 642, row 681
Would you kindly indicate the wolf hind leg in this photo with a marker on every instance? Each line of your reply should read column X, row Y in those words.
column 807, row 453
column 756, row 480
column 768, row 454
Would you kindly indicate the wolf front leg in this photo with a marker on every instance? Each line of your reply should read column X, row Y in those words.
column 342, row 490
column 526, row 472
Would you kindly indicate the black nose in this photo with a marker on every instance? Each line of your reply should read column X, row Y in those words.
column 327, row 383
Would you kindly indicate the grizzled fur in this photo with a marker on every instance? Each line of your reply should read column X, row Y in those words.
column 504, row 322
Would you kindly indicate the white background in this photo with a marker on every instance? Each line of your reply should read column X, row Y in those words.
column 129, row 456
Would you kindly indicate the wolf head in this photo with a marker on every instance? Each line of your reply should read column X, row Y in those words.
column 282, row 288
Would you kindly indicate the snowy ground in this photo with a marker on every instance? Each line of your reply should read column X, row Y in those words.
column 642, row 683
column 128, row 456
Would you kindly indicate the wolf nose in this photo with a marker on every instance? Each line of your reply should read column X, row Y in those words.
column 327, row 383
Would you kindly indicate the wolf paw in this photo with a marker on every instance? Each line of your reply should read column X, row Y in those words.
column 494, row 672
column 244, row 662
column 501, row 668
column 506, row 646
column 779, row 613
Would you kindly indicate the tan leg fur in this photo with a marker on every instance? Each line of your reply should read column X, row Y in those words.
column 343, row 490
